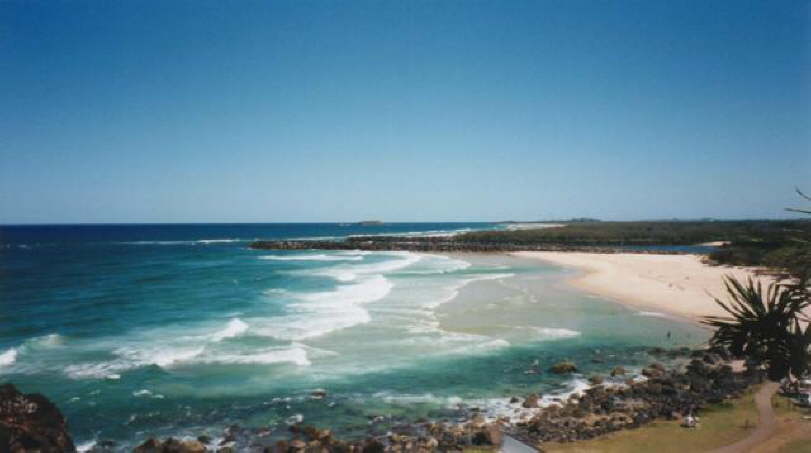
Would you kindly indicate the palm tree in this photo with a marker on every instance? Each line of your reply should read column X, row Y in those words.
column 765, row 326
column 798, row 349
column 762, row 326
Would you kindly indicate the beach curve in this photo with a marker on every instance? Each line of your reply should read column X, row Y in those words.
column 678, row 285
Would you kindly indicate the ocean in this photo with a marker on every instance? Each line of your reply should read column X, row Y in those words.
column 182, row 330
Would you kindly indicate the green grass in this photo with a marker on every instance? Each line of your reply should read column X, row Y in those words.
column 720, row 425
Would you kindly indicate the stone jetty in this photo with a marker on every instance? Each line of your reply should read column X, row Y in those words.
column 451, row 244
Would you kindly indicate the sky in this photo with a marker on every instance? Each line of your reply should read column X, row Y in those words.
column 307, row 111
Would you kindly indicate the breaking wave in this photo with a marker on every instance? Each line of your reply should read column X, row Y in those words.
column 318, row 257
column 7, row 358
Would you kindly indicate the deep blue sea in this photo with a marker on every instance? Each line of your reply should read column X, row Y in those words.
column 142, row 330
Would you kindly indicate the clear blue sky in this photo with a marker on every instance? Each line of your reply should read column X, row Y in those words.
column 149, row 111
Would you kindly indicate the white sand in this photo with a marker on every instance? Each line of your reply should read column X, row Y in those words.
column 676, row 284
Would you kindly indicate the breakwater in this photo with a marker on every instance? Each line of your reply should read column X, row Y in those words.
column 439, row 244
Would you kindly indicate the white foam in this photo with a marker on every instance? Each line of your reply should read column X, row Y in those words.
column 354, row 252
column 234, row 328
column 652, row 314
column 9, row 357
column 161, row 356
column 576, row 386
column 295, row 355
column 368, row 290
column 85, row 446
column 185, row 242
column 218, row 241
column 94, row 370
column 316, row 314
column 318, row 257
column 404, row 260
column 130, row 357
column 423, row 234
column 44, row 341
column 552, row 333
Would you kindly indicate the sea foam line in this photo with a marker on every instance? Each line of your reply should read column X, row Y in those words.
column 9, row 357
column 235, row 327
column 318, row 257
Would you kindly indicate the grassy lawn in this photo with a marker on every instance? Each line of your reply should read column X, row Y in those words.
column 794, row 431
column 721, row 425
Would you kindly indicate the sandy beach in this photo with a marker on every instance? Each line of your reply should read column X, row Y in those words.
column 676, row 284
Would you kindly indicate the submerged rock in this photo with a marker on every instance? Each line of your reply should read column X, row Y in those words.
column 30, row 422
column 563, row 367
column 318, row 394
column 618, row 371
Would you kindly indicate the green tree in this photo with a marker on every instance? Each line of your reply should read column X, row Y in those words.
column 766, row 326
column 760, row 325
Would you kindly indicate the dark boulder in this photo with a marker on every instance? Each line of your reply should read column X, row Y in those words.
column 531, row 401
column 30, row 422
column 563, row 367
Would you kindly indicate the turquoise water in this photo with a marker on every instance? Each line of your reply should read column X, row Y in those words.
column 182, row 329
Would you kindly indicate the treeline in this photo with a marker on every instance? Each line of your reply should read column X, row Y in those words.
column 764, row 232
column 780, row 244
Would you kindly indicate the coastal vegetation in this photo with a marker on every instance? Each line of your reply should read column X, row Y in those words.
column 647, row 233
column 771, row 327
column 747, row 242
column 764, row 326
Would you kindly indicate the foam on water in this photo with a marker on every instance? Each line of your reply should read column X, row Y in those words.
column 186, row 242
column 350, row 272
column 44, row 341
column 316, row 314
column 160, row 356
column 317, row 257
column 7, row 358
column 86, row 446
column 552, row 333
column 130, row 357
column 652, row 314
column 296, row 355
column 235, row 327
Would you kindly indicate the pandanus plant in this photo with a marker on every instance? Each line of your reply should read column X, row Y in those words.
column 764, row 326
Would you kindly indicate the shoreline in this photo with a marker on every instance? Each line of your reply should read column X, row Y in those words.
column 676, row 285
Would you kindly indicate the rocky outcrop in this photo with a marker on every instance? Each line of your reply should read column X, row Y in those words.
column 423, row 437
column 564, row 367
column 31, row 423
column 435, row 244
column 666, row 394
column 171, row 445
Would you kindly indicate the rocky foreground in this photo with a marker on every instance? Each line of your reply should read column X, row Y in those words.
column 31, row 423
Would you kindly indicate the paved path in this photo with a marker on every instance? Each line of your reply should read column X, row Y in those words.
column 511, row 445
column 766, row 425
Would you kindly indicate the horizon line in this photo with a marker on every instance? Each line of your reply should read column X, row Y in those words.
column 356, row 222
